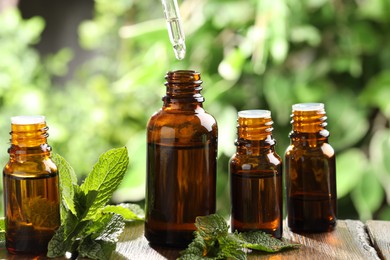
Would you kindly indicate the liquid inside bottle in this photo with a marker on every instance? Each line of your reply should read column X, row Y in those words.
column 310, row 172
column 256, row 176
column 181, row 163
column 31, row 189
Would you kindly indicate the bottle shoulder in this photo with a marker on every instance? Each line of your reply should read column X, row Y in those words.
column 164, row 116
column 31, row 167
column 255, row 167
column 271, row 158
column 167, row 124
column 322, row 149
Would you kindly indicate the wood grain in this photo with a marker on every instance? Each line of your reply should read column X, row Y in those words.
column 133, row 245
column 351, row 240
column 348, row 241
column 379, row 232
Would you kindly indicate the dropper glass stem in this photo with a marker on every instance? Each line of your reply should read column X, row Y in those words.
column 175, row 28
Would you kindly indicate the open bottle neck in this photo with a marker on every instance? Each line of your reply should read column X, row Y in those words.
column 29, row 139
column 29, row 135
column 309, row 118
column 183, row 89
column 309, row 124
column 254, row 132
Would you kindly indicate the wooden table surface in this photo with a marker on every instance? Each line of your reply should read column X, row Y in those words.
column 351, row 240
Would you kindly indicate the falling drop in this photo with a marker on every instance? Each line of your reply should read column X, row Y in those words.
column 180, row 51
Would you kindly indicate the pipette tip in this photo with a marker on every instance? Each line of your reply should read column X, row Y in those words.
column 180, row 50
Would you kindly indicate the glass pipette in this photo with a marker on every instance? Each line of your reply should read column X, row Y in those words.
column 175, row 29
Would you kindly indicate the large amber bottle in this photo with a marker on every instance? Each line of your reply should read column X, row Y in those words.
column 310, row 171
column 31, row 188
column 181, row 162
column 256, row 176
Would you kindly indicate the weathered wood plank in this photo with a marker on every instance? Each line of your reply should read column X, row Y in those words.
column 348, row 241
column 379, row 232
column 133, row 245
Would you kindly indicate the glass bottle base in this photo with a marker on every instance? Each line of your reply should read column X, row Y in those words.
column 168, row 238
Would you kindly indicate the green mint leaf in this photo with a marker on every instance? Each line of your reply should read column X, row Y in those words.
column 212, row 240
column 107, row 227
column 57, row 246
column 194, row 257
column 105, row 177
column 231, row 247
column 68, row 179
column 95, row 249
column 261, row 241
column 101, row 237
column 211, row 227
column 130, row 212
column 195, row 248
column 71, row 228
column 65, row 236
column 87, row 228
column 84, row 201
column 198, row 249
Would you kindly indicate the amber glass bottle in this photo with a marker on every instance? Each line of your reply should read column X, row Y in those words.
column 181, row 162
column 310, row 171
column 31, row 189
column 256, row 176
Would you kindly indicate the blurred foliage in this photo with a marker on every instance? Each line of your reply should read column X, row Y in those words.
column 252, row 54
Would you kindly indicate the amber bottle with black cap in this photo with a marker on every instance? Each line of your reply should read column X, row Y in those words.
column 181, row 162
column 31, row 188
column 310, row 165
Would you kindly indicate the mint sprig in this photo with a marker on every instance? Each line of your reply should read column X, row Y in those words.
column 261, row 241
column 68, row 180
column 105, row 178
column 212, row 241
column 89, row 227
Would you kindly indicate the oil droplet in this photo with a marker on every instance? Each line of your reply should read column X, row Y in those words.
column 180, row 50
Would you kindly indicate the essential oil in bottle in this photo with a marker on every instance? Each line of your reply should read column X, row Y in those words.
column 31, row 188
column 181, row 162
column 310, row 171
column 256, row 176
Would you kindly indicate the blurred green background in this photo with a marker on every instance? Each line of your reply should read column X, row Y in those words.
column 99, row 75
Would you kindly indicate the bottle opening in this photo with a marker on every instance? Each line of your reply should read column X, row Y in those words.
column 308, row 107
column 27, row 120
column 183, row 71
column 183, row 76
column 254, row 114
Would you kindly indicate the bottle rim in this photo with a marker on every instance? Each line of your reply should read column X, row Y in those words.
column 308, row 106
column 27, row 120
column 254, row 113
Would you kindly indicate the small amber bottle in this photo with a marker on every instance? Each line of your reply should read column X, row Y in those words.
column 181, row 162
column 256, row 176
column 310, row 171
column 31, row 188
